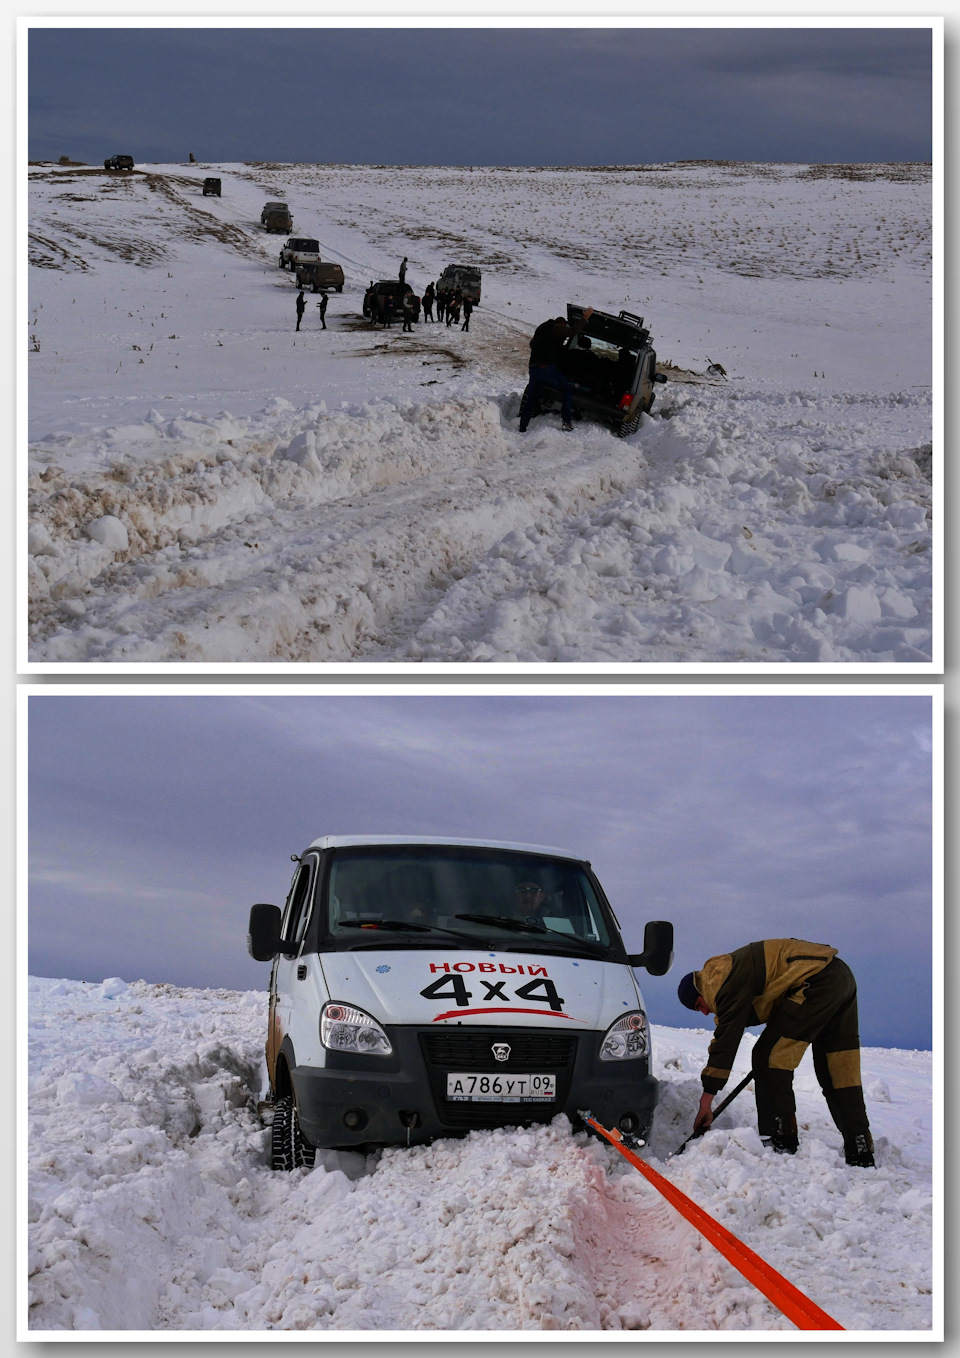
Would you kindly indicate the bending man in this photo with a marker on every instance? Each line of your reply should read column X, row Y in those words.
column 806, row 996
column 548, row 344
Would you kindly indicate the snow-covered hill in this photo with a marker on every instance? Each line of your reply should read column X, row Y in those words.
column 207, row 486
column 151, row 1206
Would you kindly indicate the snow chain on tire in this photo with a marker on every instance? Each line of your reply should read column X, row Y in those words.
column 288, row 1150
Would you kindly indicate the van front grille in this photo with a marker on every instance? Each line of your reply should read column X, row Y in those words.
column 472, row 1049
column 532, row 1051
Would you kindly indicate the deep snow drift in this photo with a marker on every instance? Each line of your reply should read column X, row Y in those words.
column 207, row 486
column 151, row 1206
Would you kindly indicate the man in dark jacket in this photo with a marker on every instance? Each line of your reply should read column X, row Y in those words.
column 301, row 307
column 402, row 275
column 806, row 996
column 322, row 304
column 548, row 343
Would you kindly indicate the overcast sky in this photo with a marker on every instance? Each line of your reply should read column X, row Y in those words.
column 155, row 822
column 482, row 96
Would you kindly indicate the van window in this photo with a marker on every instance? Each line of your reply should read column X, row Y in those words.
column 297, row 912
column 517, row 897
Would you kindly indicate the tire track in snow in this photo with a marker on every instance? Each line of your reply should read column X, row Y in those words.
column 353, row 572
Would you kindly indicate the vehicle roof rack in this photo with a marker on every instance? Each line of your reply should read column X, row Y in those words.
column 629, row 316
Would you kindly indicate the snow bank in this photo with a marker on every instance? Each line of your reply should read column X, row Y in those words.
column 151, row 1207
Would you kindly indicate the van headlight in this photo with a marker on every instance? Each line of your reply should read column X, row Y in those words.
column 626, row 1039
column 344, row 1028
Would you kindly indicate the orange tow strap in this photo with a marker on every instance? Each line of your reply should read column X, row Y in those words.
column 804, row 1313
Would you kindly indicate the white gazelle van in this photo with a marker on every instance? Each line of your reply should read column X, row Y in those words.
column 429, row 987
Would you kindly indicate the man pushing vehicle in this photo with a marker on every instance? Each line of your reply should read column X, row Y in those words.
column 806, row 996
column 549, row 341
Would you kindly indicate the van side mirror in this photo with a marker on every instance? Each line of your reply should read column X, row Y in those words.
column 263, row 935
column 660, row 377
column 657, row 955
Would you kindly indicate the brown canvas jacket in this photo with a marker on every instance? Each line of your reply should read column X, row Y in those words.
column 743, row 988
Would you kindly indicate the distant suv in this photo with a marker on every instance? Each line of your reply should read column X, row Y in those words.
column 276, row 217
column 118, row 163
column 464, row 277
column 299, row 250
column 389, row 287
column 320, row 277
column 211, row 186
column 613, row 369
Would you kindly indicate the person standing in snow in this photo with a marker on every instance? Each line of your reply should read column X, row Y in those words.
column 546, row 347
column 408, row 310
column 322, row 304
column 806, row 996
column 428, row 296
column 441, row 302
column 453, row 308
column 402, row 275
column 467, row 311
column 301, row 307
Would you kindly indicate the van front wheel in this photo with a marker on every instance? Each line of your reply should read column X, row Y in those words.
column 288, row 1150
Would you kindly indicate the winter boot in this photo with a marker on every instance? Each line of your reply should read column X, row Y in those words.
column 784, row 1139
column 859, row 1151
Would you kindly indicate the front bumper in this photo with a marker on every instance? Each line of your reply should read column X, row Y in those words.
column 401, row 1100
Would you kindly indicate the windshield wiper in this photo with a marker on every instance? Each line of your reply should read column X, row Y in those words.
column 520, row 926
column 406, row 927
column 505, row 923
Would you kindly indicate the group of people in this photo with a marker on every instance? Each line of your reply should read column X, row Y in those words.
column 449, row 303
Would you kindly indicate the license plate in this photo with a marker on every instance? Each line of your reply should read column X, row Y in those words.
column 501, row 1088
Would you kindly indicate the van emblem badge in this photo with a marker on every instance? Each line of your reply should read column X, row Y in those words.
column 383, row 969
column 501, row 1051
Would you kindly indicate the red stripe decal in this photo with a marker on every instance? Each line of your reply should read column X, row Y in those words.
column 460, row 1013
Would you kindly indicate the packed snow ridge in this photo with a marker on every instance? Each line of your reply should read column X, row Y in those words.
column 152, row 1208
column 207, row 485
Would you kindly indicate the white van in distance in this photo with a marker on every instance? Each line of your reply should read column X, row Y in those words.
column 426, row 987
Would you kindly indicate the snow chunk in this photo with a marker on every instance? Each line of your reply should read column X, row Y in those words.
column 86, row 1090
column 858, row 604
column 110, row 532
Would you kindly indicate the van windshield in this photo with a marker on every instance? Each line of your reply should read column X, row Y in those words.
column 509, row 898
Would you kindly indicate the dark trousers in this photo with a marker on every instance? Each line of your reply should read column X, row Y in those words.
column 821, row 1014
column 545, row 375
column 299, row 318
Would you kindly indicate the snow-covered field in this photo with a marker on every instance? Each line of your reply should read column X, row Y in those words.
column 151, row 1207
column 206, row 486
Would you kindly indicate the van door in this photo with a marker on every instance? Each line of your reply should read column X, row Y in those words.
column 288, row 973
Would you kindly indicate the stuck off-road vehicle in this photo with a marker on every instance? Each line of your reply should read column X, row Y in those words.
column 426, row 988
column 464, row 277
column 392, row 288
column 276, row 217
column 118, row 163
column 211, row 187
column 612, row 367
column 320, row 277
